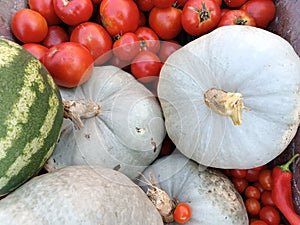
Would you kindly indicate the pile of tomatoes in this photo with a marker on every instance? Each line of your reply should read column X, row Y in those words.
column 255, row 186
column 137, row 35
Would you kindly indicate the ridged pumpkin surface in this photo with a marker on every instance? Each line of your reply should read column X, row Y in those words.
column 31, row 115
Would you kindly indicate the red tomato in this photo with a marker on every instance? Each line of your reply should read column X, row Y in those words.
column 262, row 11
column 182, row 213
column 119, row 16
column 258, row 222
column 265, row 179
column 270, row 215
column 127, row 46
column 224, row 10
column 219, row 2
column 73, row 12
column 29, row 26
column 165, row 22
column 180, row 3
column 163, row 3
column 240, row 184
column 252, row 192
column 144, row 5
column 149, row 39
column 236, row 17
column 36, row 49
column 142, row 19
column 252, row 175
column 266, row 198
column 252, row 206
column 258, row 185
column 167, row 48
column 96, row 39
column 239, row 173
column 46, row 9
column 146, row 66
column 200, row 16
column 56, row 35
column 234, row 3
column 69, row 63
column 115, row 61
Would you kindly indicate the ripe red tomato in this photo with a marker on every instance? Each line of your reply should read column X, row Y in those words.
column 182, row 213
column 258, row 222
column 46, row 9
column 252, row 192
column 115, row 61
column 265, row 179
column 200, row 16
column 234, row 3
column 266, row 198
column 252, row 206
column 163, row 3
column 149, row 39
column 165, row 22
column 142, row 19
column 240, row 184
column 236, row 17
column 239, row 173
column 69, row 63
column 29, row 26
column 96, row 39
column 56, row 35
column 252, row 175
column 167, row 48
column 119, row 16
column 262, row 11
column 35, row 49
column 219, row 2
column 146, row 66
column 144, row 5
column 73, row 12
column 127, row 46
column 270, row 215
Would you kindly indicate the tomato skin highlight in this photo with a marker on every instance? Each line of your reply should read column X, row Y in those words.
column 182, row 213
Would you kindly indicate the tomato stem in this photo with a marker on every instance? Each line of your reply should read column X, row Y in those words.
column 204, row 14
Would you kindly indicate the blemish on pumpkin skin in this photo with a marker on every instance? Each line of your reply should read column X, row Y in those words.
column 117, row 167
column 154, row 145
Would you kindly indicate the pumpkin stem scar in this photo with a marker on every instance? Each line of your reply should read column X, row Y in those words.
column 226, row 104
column 80, row 109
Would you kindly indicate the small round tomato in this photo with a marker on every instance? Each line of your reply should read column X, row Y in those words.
column 239, row 173
column 119, row 16
column 96, row 39
column 46, row 9
column 265, row 179
column 149, row 39
column 240, row 184
column 146, row 66
column 182, row 213
column 165, row 22
column 29, row 26
column 262, row 11
column 200, row 16
column 163, row 3
column 236, row 17
column 266, row 198
column 56, row 35
column 73, row 12
column 252, row 206
column 35, row 49
column 144, row 5
column 252, row 192
column 127, row 46
column 167, row 48
column 234, row 3
column 270, row 215
column 252, row 175
column 258, row 222
column 69, row 63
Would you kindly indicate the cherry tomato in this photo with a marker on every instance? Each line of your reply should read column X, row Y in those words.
column 127, row 46
column 29, row 26
column 73, row 12
column 262, row 11
column 96, row 39
column 270, row 215
column 182, row 213
column 265, row 179
column 200, row 16
column 266, row 198
column 69, row 63
column 252, row 206
column 46, row 9
column 149, row 39
column 163, row 3
column 56, row 35
column 240, row 184
column 236, row 17
column 258, row 185
column 252, row 192
column 144, row 5
column 239, row 173
column 258, row 222
column 119, row 16
column 167, row 48
column 35, row 49
column 165, row 22
column 234, row 3
column 252, row 175
column 146, row 66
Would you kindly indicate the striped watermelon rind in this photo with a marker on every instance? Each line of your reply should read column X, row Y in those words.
column 31, row 115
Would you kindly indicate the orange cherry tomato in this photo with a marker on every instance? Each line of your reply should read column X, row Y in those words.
column 182, row 213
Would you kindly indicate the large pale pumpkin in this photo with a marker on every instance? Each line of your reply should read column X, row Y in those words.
column 231, row 98
column 126, row 134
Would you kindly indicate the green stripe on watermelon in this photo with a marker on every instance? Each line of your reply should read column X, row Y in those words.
column 31, row 115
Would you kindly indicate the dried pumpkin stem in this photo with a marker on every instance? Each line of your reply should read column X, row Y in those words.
column 225, row 103
column 75, row 110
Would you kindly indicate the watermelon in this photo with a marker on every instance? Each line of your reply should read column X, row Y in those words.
column 31, row 115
